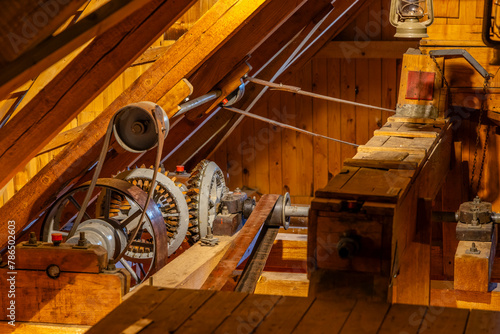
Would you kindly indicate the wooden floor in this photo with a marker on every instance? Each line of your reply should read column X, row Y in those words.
column 160, row 310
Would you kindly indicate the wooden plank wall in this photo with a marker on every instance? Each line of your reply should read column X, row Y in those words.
column 101, row 102
column 273, row 160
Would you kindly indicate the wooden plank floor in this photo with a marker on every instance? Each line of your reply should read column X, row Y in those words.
column 161, row 310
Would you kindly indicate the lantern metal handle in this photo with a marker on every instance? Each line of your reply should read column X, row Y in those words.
column 488, row 6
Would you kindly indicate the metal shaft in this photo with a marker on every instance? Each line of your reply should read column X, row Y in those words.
column 194, row 103
column 296, row 211
column 286, row 126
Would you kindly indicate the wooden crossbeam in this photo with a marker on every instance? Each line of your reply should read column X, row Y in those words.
column 25, row 23
column 53, row 49
column 81, row 81
column 375, row 50
column 209, row 34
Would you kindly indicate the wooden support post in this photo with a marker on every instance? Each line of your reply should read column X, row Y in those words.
column 473, row 270
column 395, row 217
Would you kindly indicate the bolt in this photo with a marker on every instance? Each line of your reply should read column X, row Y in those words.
column 138, row 128
column 475, row 222
column 82, row 241
column 473, row 248
column 32, row 240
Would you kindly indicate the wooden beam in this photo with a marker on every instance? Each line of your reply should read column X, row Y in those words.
column 252, row 36
column 335, row 22
column 375, row 49
column 30, row 327
column 48, row 52
column 152, row 54
column 50, row 73
column 134, row 35
column 81, row 81
column 191, row 268
column 274, row 48
column 209, row 34
column 443, row 294
column 25, row 23
column 183, row 129
column 64, row 138
column 473, row 271
column 186, row 131
column 283, row 284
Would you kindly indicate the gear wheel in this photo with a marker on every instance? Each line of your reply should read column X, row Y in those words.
column 169, row 198
column 206, row 186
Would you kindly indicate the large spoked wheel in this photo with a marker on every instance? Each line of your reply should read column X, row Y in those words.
column 109, row 219
column 169, row 199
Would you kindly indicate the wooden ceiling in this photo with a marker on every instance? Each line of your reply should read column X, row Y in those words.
column 272, row 37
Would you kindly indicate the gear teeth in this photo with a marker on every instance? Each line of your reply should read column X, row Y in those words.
column 162, row 198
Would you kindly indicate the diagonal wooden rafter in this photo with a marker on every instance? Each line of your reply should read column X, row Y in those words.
column 208, row 35
column 48, row 74
column 49, row 51
column 223, row 125
column 187, row 136
column 81, row 81
column 26, row 23
column 185, row 130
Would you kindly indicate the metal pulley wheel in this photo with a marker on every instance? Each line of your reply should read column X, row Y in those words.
column 278, row 217
column 114, row 209
column 206, row 186
column 168, row 197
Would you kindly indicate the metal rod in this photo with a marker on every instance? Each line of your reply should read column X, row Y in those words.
column 129, row 269
column 296, row 211
column 286, row 126
column 283, row 67
column 194, row 103
column 298, row 90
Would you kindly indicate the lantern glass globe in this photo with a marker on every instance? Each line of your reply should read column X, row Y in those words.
column 412, row 9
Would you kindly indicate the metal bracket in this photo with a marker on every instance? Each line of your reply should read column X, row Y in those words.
column 457, row 53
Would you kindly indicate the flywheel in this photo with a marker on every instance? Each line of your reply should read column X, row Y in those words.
column 109, row 218
column 206, row 187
